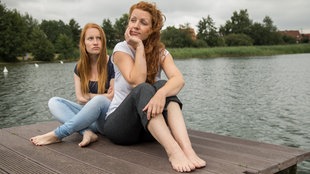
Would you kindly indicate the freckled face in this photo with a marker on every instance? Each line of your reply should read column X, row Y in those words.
column 93, row 41
column 140, row 24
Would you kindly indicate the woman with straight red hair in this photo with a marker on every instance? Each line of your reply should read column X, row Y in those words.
column 93, row 80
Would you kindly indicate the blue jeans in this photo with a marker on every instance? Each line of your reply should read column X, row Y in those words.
column 78, row 118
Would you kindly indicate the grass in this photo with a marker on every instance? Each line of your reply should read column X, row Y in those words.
column 181, row 53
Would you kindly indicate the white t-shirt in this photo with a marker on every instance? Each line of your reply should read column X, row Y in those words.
column 121, row 86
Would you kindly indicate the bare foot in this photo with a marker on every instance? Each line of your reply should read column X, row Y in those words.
column 88, row 137
column 45, row 139
column 193, row 157
column 180, row 162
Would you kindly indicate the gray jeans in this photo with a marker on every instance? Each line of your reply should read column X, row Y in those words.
column 128, row 123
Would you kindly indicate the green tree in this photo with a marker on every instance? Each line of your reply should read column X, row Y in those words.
column 176, row 38
column 169, row 36
column 208, row 32
column 239, row 23
column 120, row 27
column 42, row 48
column 75, row 31
column 13, row 34
column 265, row 33
column 258, row 34
column 109, row 31
column 31, row 24
column 274, row 37
column 64, row 46
column 188, row 34
column 53, row 29
column 268, row 23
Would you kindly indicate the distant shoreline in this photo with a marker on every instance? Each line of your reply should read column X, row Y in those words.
column 214, row 52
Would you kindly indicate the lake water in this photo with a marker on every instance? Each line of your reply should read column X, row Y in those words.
column 264, row 99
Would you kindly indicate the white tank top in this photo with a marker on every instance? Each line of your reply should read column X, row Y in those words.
column 121, row 86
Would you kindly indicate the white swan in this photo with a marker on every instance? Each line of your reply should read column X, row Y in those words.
column 5, row 70
column 61, row 62
column 36, row 65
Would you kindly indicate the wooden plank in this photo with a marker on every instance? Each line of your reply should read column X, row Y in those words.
column 223, row 154
column 14, row 162
column 248, row 156
column 69, row 157
column 257, row 144
column 45, row 156
column 142, row 153
column 283, row 156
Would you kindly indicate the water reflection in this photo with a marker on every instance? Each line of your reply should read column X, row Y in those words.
column 260, row 98
column 5, row 75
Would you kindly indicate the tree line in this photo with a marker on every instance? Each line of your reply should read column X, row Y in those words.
column 52, row 39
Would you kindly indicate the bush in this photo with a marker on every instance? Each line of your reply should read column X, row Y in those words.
column 289, row 39
column 200, row 43
column 238, row 40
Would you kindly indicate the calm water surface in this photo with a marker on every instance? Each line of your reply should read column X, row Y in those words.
column 264, row 99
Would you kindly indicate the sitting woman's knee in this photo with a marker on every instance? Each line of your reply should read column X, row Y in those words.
column 143, row 87
column 101, row 99
column 160, row 83
column 52, row 101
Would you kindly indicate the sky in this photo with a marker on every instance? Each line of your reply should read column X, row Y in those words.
column 285, row 14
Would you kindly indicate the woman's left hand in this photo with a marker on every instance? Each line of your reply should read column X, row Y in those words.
column 110, row 93
column 155, row 106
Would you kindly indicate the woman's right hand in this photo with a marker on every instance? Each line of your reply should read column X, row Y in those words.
column 133, row 41
column 155, row 106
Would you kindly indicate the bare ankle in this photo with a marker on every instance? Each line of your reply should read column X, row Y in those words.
column 88, row 137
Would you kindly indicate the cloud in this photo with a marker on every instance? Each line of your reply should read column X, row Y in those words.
column 286, row 14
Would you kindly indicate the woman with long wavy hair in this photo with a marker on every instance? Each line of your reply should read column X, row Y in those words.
column 145, row 107
column 93, row 80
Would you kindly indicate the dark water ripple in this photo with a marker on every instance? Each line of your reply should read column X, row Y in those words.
column 264, row 99
column 26, row 89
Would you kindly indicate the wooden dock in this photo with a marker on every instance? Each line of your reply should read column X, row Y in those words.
column 224, row 155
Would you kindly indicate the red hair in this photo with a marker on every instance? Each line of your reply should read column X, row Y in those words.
column 83, row 65
column 154, row 48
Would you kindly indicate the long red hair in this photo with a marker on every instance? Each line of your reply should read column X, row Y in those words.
column 83, row 65
column 154, row 48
